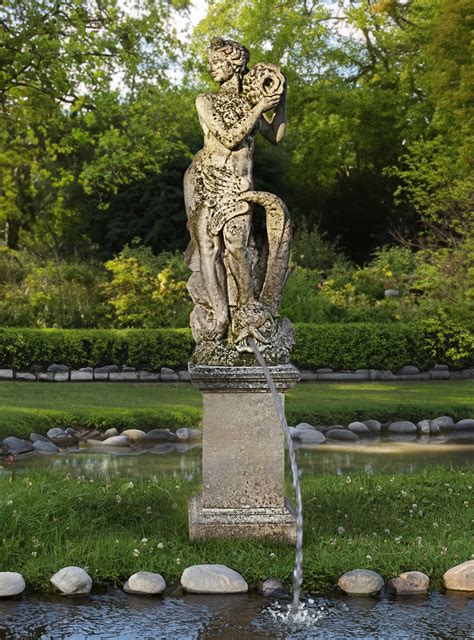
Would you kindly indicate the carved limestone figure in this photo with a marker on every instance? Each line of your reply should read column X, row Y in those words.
column 237, row 279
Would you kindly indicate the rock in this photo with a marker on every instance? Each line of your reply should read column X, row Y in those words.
column 312, row 437
column 374, row 425
column 408, row 370
column 145, row 583
column 81, row 376
column 168, row 375
column 70, row 431
column 63, row 442
column 294, row 433
column 464, row 425
column 6, row 374
column 304, row 426
column 423, row 427
column 38, row 437
column 342, row 434
column 29, row 377
column 148, row 376
column 323, row 371
column 391, row 293
column 184, row 376
column 212, row 578
column 440, row 367
column 361, row 582
column 186, row 433
column 56, row 432
column 57, row 368
column 128, row 369
column 17, row 445
column 45, row 447
column 111, row 433
column 110, row 368
column 86, row 370
column 409, row 583
column 122, row 376
column 11, row 584
column 402, row 426
column 273, row 588
column 460, row 577
column 386, row 375
column 134, row 435
column 434, row 428
column 116, row 441
column 444, row 422
column 440, row 375
column 160, row 435
column 360, row 428
column 72, row 581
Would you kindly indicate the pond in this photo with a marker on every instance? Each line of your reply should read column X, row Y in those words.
column 184, row 461
column 116, row 615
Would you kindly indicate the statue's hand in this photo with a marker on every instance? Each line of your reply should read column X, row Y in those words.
column 268, row 102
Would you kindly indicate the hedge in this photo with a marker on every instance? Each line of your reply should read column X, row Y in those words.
column 338, row 346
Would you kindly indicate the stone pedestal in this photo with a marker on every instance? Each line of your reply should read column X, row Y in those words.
column 243, row 455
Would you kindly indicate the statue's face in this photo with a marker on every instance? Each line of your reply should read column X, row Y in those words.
column 220, row 67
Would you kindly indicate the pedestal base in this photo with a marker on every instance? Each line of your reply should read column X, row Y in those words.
column 263, row 523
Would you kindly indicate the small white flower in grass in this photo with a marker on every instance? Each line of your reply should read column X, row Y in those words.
column 348, row 480
column 178, row 560
column 160, row 545
column 435, row 525
column 144, row 540
column 136, row 552
column 340, row 530
column 9, row 503
column 418, row 540
column 130, row 485
column 466, row 503
column 148, row 510
column 444, row 551
column 333, row 541
column 118, row 498
column 403, row 493
column 414, row 506
column 369, row 558
column 469, row 487
column 398, row 539
column 116, row 542
column 386, row 530
column 34, row 554
column 272, row 555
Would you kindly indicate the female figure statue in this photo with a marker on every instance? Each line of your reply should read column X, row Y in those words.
column 236, row 287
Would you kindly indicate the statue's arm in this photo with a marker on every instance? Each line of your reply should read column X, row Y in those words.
column 232, row 136
column 273, row 128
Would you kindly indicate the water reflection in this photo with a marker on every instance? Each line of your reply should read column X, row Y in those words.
column 122, row 617
column 184, row 461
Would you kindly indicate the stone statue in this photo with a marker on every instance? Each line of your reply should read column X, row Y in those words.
column 237, row 278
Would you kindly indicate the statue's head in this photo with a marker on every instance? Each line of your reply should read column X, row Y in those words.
column 227, row 58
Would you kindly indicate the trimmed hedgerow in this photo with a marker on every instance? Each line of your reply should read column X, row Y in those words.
column 339, row 346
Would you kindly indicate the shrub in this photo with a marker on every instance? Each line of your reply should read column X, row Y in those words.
column 339, row 346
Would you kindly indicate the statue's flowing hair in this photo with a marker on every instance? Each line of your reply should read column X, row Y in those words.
column 236, row 53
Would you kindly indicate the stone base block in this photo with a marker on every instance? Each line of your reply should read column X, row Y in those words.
column 255, row 524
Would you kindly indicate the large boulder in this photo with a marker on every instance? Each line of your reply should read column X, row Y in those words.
column 409, row 583
column 273, row 588
column 212, row 578
column 134, row 435
column 56, row 432
column 17, row 445
column 374, row 425
column 145, row 583
column 111, row 433
column 185, row 433
column 342, row 434
column 116, row 441
column 160, row 435
column 360, row 428
column 11, row 584
column 423, row 427
column 403, row 427
column 311, row 437
column 38, row 437
column 465, row 425
column 460, row 577
column 45, row 447
column 72, row 581
column 444, row 422
column 361, row 582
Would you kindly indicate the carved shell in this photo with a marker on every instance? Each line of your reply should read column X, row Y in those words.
column 262, row 80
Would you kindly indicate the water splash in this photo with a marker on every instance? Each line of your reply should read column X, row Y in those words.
column 308, row 613
column 298, row 570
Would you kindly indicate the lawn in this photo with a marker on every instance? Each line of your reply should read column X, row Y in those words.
column 39, row 406
column 114, row 527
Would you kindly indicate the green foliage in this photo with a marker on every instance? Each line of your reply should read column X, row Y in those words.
column 42, row 528
column 148, row 291
column 339, row 346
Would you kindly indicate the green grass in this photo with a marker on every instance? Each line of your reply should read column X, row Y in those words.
column 49, row 520
column 25, row 407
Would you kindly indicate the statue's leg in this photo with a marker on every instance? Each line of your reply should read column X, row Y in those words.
column 236, row 236
column 212, row 273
